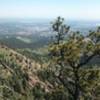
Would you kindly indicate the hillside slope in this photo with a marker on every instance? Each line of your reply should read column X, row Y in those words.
column 18, row 75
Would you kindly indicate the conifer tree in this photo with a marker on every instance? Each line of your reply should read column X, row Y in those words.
column 73, row 51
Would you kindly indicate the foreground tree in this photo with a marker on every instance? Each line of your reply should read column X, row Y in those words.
column 72, row 51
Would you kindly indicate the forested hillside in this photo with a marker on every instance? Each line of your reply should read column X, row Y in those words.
column 65, row 67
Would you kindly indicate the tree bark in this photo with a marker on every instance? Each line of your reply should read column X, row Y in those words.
column 76, row 91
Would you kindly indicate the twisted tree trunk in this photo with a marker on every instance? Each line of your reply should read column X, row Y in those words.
column 77, row 90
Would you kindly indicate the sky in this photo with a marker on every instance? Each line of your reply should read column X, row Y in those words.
column 69, row 9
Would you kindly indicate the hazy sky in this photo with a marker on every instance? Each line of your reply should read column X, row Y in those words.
column 70, row 9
